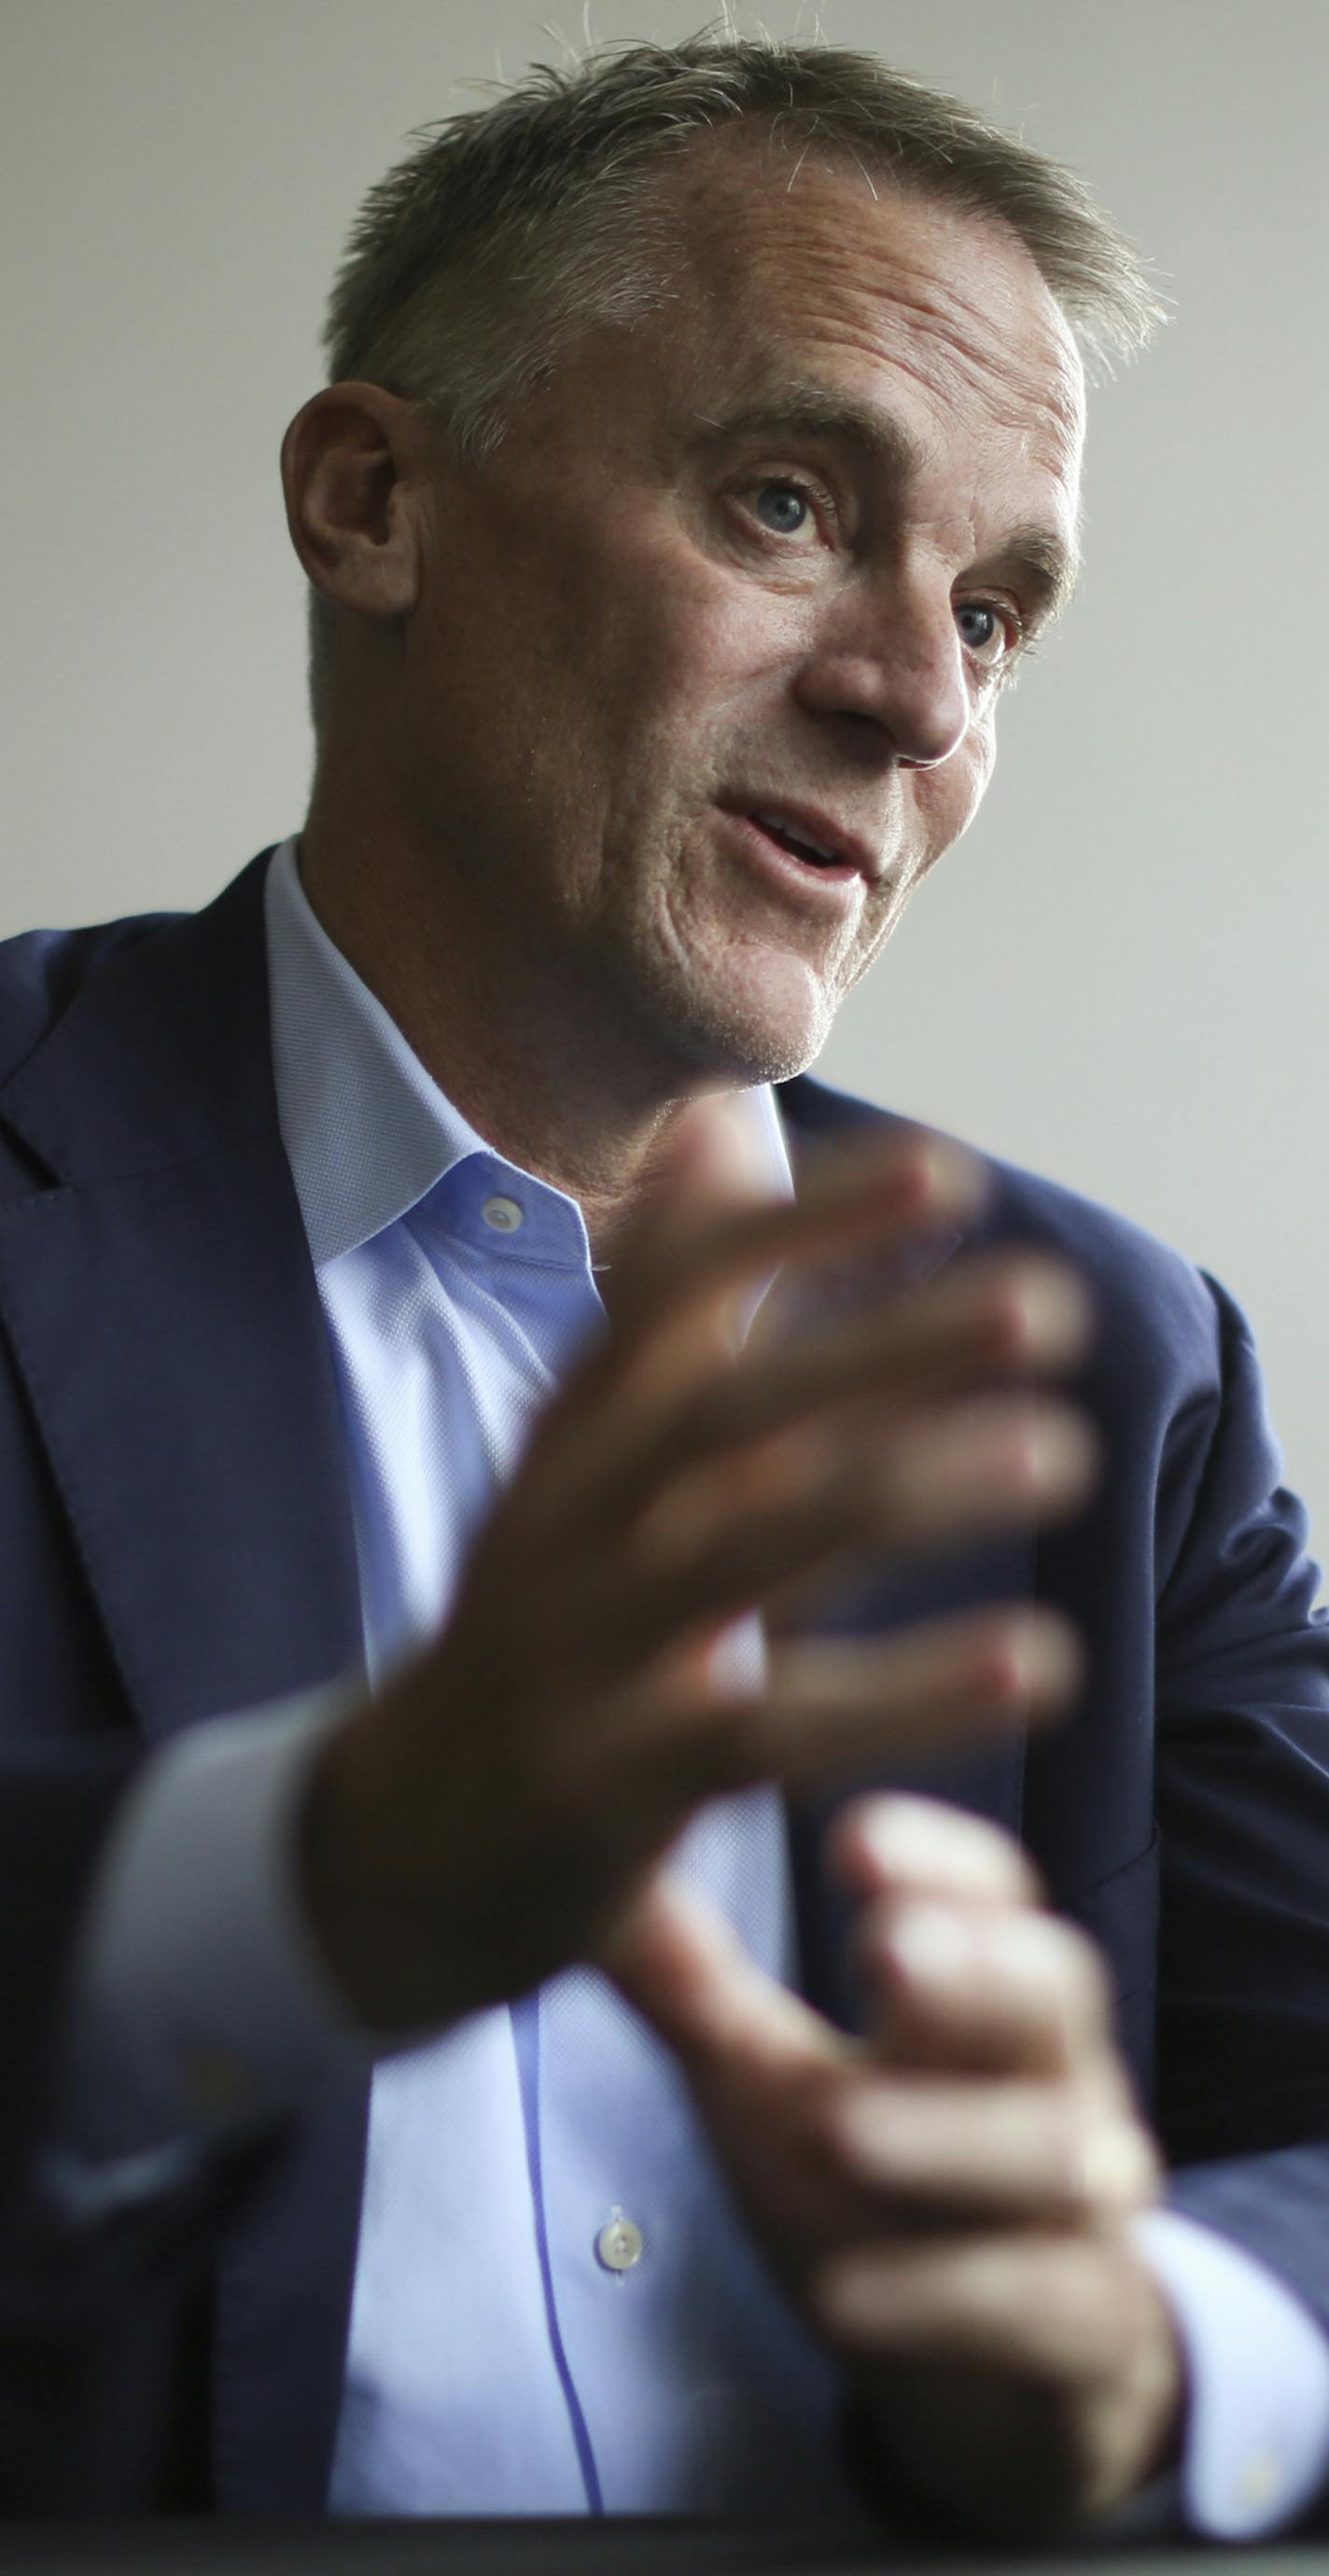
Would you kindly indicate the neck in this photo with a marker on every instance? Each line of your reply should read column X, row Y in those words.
column 605, row 1129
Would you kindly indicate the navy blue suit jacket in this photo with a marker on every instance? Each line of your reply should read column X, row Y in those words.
column 177, row 1544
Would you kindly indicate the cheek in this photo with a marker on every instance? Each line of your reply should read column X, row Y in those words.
column 705, row 643
column 949, row 797
column 683, row 631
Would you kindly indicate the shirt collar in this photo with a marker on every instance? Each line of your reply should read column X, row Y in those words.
column 367, row 1131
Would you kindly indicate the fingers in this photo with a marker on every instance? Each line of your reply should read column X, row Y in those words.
column 636, row 1404
column 906, row 1846
column 830, row 1708
column 1052, row 2308
column 961, row 2243
column 709, row 1235
column 1010, row 2154
column 983, row 1991
column 695, row 1482
column 989, row 1318
column 693, row 1401
column 900, row 2150
column 962, row 1969
column 729, row 1538
column 1030, row 2380
column 993, row 1315
column 678, row 1961
column 904, row 2153
column 681, row 1480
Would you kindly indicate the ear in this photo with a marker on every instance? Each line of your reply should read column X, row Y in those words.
column 353, row 472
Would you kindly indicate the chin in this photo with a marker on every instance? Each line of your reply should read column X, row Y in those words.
column 746, row 1045
column 736, row 1015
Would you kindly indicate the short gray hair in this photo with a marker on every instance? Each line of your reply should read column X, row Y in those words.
column 478, row 262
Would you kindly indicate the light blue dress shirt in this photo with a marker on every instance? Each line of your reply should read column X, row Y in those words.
column 554, row 2308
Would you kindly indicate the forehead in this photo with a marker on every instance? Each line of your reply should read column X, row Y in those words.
column 810, row 269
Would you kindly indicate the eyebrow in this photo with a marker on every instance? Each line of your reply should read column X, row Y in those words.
column 1050, row 567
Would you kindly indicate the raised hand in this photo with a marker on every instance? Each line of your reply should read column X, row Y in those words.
column 502, row 1807
column 949, row 2201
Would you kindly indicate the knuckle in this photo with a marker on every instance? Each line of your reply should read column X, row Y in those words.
column 1108, row 2164
column 1073, row 1968
column 917, row 1842
column 1044, row 1309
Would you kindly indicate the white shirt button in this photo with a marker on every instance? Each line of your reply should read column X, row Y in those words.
column 505, row 1215
column 620, row 2244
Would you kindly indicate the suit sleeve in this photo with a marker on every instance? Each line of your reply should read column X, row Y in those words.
column 197, row 2007
column 56, row 1811
column 59, row 1815
column 1242, row 1792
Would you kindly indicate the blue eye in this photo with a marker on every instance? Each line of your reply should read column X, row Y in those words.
column 783, row 508
column 983, row 629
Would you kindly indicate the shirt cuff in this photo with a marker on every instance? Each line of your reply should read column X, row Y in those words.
column 1257, row 2436
column 198, row 2003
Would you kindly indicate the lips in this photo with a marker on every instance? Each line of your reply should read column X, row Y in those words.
column 807, row 833
column 800, row 844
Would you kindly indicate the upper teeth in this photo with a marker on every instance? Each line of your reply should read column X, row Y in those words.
column 777, row 823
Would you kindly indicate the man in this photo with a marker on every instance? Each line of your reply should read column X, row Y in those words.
column 701, row 454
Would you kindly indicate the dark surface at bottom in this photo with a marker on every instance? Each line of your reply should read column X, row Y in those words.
column 630, row 2548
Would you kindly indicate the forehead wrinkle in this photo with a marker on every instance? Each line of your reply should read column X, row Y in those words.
column 795, row 253
column 780, row 402
column 954, row 310
column 936, row 349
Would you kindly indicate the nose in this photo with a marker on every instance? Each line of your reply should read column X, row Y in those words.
column 890, row 668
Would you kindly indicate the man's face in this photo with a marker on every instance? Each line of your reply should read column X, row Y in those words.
column 744, row 585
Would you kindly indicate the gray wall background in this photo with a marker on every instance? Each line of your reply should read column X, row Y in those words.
column 1119, row 976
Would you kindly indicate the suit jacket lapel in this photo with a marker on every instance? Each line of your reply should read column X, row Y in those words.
column 165, row 1314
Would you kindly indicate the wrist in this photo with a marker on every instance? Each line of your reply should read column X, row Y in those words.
column 356, row 1884
column 965, row 2450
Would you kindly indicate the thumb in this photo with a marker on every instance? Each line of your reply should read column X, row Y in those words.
column 710, row 1156
column 708, row 1163
column 683, row 1968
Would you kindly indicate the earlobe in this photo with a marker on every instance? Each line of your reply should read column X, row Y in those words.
column 349, row 498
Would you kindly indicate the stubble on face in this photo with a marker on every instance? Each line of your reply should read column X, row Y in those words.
column 610, row 647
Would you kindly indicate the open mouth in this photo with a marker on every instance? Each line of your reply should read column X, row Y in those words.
column 798, row 846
